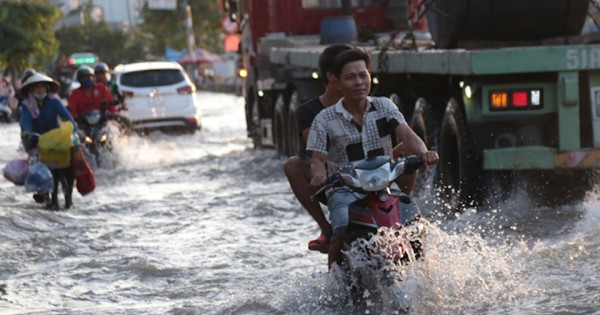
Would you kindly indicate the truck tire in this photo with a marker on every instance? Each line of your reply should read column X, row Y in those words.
column 504, row 20
column 295, row 145
column 395, row 98
column 423, row 124
column 458, row 170
column 279, row 127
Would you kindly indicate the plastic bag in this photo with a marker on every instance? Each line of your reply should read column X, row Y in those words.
column 39, row 178
column 54, row 146
column 16, row 171
column 78, row 162
column 84, row 177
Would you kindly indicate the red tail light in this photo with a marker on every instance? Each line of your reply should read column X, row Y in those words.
column 127, row 94
column 188, row 89
column 519, row 99
column 191, row 119
column 516, row 99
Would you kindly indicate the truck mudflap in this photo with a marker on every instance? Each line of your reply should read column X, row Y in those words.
column 539, row 157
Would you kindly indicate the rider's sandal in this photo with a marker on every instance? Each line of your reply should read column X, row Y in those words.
column 321, row 244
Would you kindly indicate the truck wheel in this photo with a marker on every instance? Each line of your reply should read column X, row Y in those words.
column 423, row 124
column 295, row 145
column 279, row 130
column 396, row 99
column 457, row 168
column 426, row 127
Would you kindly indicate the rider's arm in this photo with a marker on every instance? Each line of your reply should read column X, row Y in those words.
column 26, row 123
column 65, row 115
column 114, row 90
column 107, row 95
column 318, row 170
column 415, row 144
column 400, row 150
column 317, row 145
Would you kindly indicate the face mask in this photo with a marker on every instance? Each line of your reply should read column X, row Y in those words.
column 87, row 83
column 40, row 96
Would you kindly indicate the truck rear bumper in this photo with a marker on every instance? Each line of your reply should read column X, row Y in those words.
column 539, row 157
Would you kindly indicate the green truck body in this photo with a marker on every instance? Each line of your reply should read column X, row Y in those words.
column 503, row 104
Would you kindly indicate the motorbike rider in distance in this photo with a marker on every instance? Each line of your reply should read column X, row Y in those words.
column 102, row 73
column 90, row 95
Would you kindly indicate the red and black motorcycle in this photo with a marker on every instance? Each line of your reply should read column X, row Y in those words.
column 381, row 210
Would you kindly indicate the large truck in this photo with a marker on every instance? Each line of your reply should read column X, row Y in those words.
column 507, row 91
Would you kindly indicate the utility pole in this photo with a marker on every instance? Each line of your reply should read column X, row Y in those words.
column 189, row 28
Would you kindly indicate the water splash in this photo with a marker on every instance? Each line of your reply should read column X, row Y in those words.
column 460, row 272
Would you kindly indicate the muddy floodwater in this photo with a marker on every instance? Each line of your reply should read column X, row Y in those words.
column 205, row 224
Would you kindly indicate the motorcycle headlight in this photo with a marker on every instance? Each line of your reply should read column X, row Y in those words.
column 374, row 180
column 92, row 117
column 103, row 138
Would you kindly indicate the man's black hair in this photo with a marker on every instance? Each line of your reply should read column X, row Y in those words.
column 347, row 56
column 327, row 56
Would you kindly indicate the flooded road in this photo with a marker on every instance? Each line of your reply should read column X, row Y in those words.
column 205, row 224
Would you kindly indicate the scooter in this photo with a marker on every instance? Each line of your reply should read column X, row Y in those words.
column 94, row 131
column 382, row 208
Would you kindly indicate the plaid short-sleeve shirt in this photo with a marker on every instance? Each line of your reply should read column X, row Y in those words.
column 335, row 134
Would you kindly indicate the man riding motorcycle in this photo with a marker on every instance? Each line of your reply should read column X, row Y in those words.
column 90, row 95
column 357, row 127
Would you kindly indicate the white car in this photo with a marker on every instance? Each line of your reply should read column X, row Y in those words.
column 159, row 95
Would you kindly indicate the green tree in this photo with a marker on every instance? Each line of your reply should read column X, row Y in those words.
column 168, row 28
column 112, row 46
column 26, row 34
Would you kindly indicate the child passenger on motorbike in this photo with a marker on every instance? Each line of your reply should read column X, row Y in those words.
column 354, row 128
column 40, row 111
column 90, row 95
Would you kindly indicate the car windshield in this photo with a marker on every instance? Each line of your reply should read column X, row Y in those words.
column 152, row 78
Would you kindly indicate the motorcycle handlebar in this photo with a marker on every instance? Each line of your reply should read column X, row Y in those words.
column 413, row 163
column 332, row 181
